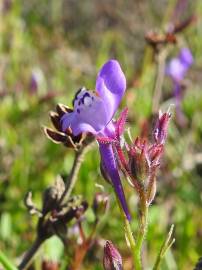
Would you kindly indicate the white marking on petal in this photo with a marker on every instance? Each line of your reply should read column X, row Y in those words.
column 87, row 101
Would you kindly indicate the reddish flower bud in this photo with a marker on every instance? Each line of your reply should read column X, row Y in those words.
column 112, row 259
column 161, row 129
column 154, row 154
column 138, row 160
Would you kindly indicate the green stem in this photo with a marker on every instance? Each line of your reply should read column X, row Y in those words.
column 159, row 80
column 130, row 239
column 5, row 262
column 142, row 225
column 168, row 242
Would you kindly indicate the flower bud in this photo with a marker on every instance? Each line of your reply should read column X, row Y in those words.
column 161, row 130
column 138, row 160
column 100, row 204
column 112, row 259
column 154, row 153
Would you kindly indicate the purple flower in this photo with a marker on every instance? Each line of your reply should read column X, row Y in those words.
column 177, row 69
column 178, row 66
column 93, row 112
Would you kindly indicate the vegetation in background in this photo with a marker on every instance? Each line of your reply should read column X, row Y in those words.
column 48, row 50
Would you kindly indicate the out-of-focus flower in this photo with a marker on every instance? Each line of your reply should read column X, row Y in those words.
column 93, row 112
column 177, row 69
column 5, row 6
column 37, row 81
column 112, row 259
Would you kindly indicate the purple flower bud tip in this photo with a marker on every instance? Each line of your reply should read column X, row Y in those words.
column 161, row 130
column 112, row 259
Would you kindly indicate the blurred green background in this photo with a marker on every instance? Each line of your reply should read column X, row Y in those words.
column 48, row 49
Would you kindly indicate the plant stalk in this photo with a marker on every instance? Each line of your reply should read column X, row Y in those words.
column 159, row 80
column 130, row 238
column 72, row 178
column 143, row 223
column 29, row 256
column 129, row 235
column 79, row 155
column 168, row 242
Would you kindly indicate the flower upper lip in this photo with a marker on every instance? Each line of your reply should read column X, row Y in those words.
column 94, row 110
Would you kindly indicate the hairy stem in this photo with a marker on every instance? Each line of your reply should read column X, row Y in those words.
column 143, row 226
column 129, row 235
column 143, row 222
column 131, row 240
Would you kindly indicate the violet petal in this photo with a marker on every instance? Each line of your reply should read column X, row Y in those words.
column 111, row 86
column 186, row 57
column 176, row 70
column 108, row 159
